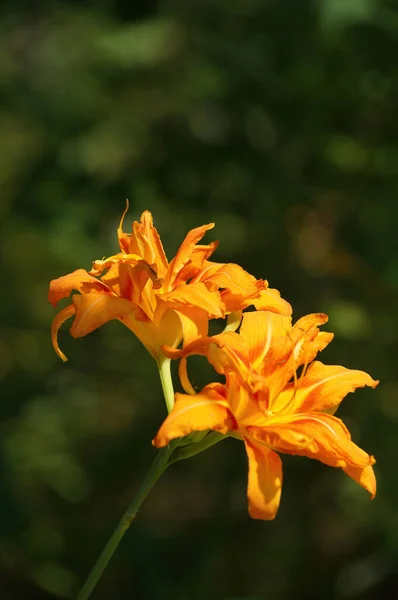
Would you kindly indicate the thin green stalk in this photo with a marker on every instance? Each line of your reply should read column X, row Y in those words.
column 164, row 367
column 158, row 466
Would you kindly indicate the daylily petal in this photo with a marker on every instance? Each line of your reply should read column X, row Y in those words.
column 199, row 346
column 111, row 264
column 145, row 241
column 315, row 435
column 237, row 285
column 244, row 408
column 184, row 253
column 194, row 295
column 287, row 352
column 311, row 347
column 265, row 481
column 144, row 285
column 184, row 379
column 60, row 318
column 226, row 354
column 153, row 336
column 79, row 280
column 270, row 299
column 304, row 336
column 93, row 310
column 364, row 476
column 194, row 323
column 234, row 319
column 117, row 277
column 258, row 330
column 224, row 362
column 224, row 351
column 206, row 410
column 304, row 324
column 200, row 253
column 322, row 388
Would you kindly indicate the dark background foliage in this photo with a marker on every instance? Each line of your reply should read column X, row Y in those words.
column 278, row 120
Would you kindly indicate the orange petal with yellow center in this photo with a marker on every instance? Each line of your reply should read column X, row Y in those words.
column 93, row 310
column 315, row 435
column 270, row 299
column 60, row 318
column 79, row 280
column 322, row 388
column 259, row 330
column 265, row 481
column 206, row 410
column 297, row 346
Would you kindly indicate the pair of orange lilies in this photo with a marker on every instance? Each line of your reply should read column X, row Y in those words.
column 264, row 401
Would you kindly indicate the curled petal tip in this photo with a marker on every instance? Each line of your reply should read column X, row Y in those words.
column 147, row 217
column 60, row 318
column 323, row 318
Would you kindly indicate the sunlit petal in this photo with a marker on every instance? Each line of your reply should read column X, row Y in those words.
column 226, row 354
column 60, row 318
column 270, row 299
column 194, row 323
column 315, row 435
column 306, row 338
column 234, row 319
column 323, row 388
column 195, row 295
column 259, row 330
column 365, row 476
column 206, row 410
column 79, row 280
column 154, row 335
column 145, row 241
column 194, row 266
column 111, row 266
column 265, row 481
column 93, row 310
column 236, row 284
column 184, row 253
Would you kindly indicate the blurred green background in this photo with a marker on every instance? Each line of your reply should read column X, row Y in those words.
column 278, row 120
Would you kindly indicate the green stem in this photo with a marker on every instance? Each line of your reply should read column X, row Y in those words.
column 164, row 366
column 158, row 466
column 187, row 451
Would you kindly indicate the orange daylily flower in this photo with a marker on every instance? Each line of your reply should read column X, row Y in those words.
column 267, row 405
column 161, row 302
